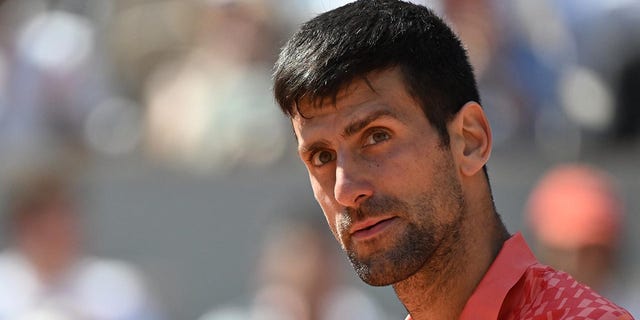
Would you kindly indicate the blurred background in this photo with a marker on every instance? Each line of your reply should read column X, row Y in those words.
column 161, row 114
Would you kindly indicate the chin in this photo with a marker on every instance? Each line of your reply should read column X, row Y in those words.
column 382, row 272
column 377, row 281
column 382, row 278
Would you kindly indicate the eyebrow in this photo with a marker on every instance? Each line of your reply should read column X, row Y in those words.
column 359, row 124
column 351, row 129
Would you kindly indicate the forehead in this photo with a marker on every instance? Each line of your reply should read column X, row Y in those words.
column 385, row 87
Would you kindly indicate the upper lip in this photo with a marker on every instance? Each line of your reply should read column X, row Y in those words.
column 366, row 223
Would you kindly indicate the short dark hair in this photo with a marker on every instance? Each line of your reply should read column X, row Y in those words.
column 336, row 47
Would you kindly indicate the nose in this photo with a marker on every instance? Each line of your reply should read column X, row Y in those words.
column 352, row 184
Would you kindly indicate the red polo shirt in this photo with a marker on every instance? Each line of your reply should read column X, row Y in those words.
column 517, row 286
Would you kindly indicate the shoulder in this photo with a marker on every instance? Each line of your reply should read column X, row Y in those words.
column 20, row 286
column 109, row 270
column 551, row 294
column 94, row 276
column 16, row 274
column 112, row 289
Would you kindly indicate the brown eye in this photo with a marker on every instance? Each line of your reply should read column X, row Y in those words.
column 322, row 157
column 377, row 137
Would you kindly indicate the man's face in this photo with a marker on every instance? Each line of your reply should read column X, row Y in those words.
column 389, row 190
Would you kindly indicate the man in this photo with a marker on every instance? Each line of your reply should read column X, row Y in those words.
column 44, row 271
column 576, row 216
column 387, row 116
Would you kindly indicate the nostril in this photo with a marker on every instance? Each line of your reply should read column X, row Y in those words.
column 360, row 197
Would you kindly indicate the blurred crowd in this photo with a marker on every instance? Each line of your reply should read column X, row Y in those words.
column 577, row 214
column 181, row 81
column 186, row 83
column 110, row 77
column 299, row 276
column 46, row 273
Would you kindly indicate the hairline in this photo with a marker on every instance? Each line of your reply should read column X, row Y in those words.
column 318, row 102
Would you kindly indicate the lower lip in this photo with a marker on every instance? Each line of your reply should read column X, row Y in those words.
column 373, row 231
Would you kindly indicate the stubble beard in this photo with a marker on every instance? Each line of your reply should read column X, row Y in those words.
column 426, row 245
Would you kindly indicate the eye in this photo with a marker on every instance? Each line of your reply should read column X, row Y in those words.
column 322, row 157
column 377, row 136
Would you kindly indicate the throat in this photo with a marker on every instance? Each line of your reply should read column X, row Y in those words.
column 438, row 290
column 441, row 290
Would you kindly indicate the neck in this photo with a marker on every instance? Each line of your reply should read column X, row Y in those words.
column 441, row 288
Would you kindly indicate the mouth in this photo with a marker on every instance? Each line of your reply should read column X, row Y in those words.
column 370, row 228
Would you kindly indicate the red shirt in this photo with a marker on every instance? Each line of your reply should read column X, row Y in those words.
column 517, row 286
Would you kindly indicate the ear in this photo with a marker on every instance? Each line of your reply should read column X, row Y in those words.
column 470, row 138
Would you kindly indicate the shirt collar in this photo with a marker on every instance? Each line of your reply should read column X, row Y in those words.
column 506, row 270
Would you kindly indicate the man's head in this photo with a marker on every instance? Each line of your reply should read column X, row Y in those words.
column 576, row 216
column 385, row 109
column 337, row 47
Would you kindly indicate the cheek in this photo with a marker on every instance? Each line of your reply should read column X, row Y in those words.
column 408, row 174
column 325, row 201
column 329, row 213
column 323, row 192
column 405, row 164
column 319, row 191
